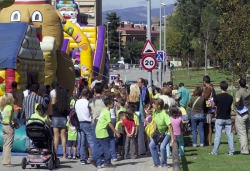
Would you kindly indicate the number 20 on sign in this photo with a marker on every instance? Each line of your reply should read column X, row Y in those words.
column 149, row 62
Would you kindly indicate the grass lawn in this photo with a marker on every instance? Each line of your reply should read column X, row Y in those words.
column 214, row 74
column 198, row 159
column 182, row 76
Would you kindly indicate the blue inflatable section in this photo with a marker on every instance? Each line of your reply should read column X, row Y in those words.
column 11, row 37
column 19, row 139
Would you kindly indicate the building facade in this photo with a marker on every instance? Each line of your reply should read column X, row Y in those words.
column 131, row 32
column 90, row 11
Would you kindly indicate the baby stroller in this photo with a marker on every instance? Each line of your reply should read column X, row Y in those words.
column 41, row 136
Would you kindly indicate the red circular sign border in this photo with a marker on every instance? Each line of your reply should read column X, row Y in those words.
column 142, row 62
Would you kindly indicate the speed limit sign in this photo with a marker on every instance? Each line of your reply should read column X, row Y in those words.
column 149, row 62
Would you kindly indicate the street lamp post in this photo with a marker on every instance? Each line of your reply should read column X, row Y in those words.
column 165, row 37
column 120, row 44
column 108, row 40
column 160, row 26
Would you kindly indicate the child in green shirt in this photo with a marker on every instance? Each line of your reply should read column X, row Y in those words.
column 72, row 140
column 119, row 128
column 41, row 115
column 73, row 100
column 120, row 104
column 101, row 131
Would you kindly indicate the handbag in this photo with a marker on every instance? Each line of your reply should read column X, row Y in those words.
column 158, row 137
column 16, row 125
column 149, row 130
column 209, row 103
column 242, row 110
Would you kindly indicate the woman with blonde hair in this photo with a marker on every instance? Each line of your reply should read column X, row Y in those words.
column 134, row 96
column 7, row 115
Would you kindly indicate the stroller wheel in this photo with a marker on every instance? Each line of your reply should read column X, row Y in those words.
column 50, row 164
column 24, row 163
column 32, row 165
column 57, row 163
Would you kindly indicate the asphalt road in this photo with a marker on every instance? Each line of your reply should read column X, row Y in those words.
column 134, row 74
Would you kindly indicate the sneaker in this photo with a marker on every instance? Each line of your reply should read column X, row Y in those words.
column 212, row 153
column 83, row 162
column 99, row 167
column 230, row 154
column 69, row 157
column 74, row 157
column 78, row 156
column 114, row 160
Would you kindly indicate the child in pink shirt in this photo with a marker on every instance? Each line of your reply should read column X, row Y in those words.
column 177, row 125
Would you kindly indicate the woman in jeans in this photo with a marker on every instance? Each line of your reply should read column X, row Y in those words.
column 162, row 124
column 7, row 120
column 59, row 117
column 197, row 103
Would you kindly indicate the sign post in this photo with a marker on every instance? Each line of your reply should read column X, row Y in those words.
column 160, row 59
column 148, row 61
column 149, row 38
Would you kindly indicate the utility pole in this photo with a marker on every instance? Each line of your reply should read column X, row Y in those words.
column 149, row 38
column 108, row 40
column 165, row 38
column 160, row 63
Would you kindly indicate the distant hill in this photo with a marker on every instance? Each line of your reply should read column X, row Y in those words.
column 137, row 14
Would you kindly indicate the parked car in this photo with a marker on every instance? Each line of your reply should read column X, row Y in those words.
column 117, row 66
column 129, row 82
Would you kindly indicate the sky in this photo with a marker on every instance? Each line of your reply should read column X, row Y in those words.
column 119, row 4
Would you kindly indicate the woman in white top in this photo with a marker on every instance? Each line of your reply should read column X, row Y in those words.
column 167, row 97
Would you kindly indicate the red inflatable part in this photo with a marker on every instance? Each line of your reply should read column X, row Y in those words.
column 39, row 37
column 10, row 77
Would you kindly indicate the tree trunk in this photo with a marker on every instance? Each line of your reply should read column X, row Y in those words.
column 206, row 42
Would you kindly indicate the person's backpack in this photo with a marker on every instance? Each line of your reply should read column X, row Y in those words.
column 73, row 119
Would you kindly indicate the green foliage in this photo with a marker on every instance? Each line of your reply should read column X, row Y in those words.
column 133, row 50
column 195, row 23
column 113, row 35
column 173, row 41
column 234, row 37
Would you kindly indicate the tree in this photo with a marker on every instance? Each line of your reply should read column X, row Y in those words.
column 113, row 35
column 173, row 41
column 195, row 22
column 234, row 38
column 208, row 28
column 133, row 50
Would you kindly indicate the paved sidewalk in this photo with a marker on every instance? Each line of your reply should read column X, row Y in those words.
column 139, row 164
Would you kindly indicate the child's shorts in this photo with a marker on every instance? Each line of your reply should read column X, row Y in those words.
column 71, row 143
column 119, row 141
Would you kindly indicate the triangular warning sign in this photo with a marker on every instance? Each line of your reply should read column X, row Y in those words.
column 148, row 48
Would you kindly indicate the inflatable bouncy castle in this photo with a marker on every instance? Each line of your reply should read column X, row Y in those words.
column 48, row 23
column 94, row 65
column 21, row 56
column 36, row 45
